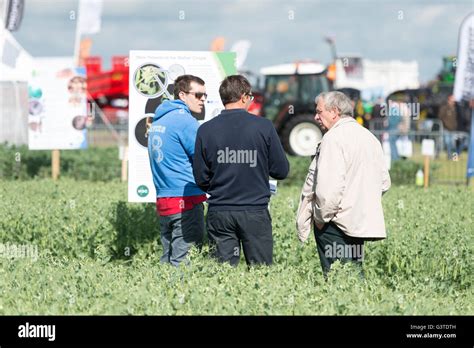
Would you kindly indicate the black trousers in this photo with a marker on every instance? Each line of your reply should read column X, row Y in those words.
column 333, row 244
column 253, row 228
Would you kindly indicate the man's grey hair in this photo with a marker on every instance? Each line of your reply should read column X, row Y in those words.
column 337, row 100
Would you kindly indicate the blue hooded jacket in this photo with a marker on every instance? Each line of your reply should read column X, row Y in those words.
column 171, row 143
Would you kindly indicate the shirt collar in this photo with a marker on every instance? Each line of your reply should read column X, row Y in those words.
column 229, row 111
column 342, row 120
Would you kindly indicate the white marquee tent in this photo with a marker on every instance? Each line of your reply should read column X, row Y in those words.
column 16, row 65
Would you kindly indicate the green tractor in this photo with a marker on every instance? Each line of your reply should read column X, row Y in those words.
column 288, row 101
column 446, row 75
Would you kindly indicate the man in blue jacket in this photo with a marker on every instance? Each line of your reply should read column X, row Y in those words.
column 235, row 154
column 171, row 149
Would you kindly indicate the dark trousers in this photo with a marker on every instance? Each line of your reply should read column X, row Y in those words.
column 253, row 228
column 333, row 244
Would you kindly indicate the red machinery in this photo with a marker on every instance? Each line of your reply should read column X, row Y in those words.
column 257, row 104
column 109, row 89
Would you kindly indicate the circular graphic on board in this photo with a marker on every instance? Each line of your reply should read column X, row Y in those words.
column 77, row 85
column 175, row 70
column 34, row 92
column 151, row 80
column 79, row 122
column 35, row 107
column 34, row 124
column 142, row 191
column 153, row 103
column 141, row 130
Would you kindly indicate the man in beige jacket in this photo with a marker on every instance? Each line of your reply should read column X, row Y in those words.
column 342, row 194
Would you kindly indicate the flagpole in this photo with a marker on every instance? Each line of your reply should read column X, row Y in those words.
column 56, row 154
column 77, row 42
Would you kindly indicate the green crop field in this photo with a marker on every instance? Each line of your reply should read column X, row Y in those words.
column 97, row 254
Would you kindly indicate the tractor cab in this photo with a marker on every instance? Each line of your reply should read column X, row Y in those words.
column 288, row 101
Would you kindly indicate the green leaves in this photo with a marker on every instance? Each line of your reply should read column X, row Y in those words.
column 94, row 164
column 82, row 230
column 146, row 79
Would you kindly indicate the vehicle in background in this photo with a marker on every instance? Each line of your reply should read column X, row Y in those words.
column 448, row 71
column 434, row 94
column 257, row 103
column 287, row 98
column 109, row 89
column 288, row 101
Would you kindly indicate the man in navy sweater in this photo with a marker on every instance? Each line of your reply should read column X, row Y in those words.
column 235, row 154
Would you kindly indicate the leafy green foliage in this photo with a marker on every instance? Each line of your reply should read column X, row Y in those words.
column 95, row 164
column 100, row 255
column 146, row 79
column 102, row 164
column 403, row 172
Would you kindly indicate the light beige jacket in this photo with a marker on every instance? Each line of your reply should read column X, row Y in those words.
column 350, row 177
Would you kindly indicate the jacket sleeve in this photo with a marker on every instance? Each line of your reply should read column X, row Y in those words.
column 304, row 215
column 331, row 179
column 386, row 182
column 277, row 162
column 201, row 170
column 188, row 137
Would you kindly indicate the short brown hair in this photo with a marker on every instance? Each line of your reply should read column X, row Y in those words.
column 183, row 84
column 233, row 87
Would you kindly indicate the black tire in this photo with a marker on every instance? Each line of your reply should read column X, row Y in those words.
column 297, row 123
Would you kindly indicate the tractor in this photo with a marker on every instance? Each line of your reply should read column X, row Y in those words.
column 288, row 101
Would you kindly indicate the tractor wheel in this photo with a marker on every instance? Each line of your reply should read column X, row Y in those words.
column 300, row 135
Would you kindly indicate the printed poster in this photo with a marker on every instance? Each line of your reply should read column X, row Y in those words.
column 152, row 74
column 57, row 109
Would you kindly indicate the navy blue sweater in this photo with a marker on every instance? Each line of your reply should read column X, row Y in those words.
column 234, row 156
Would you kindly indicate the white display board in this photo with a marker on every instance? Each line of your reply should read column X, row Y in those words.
column 57, row 109
column 152, row 74
column 428, row 147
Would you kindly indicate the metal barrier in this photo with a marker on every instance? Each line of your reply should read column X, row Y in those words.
column 101, row 135
column 448, row 168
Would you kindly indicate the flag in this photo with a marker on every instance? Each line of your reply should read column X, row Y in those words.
column 241, row 48
column 15, row 62
column 14, row 14
column 217, row 45
column 464, row 80
column 89, row 16
column 470, row 159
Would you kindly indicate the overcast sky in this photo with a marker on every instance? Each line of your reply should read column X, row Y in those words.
column 280, row 31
